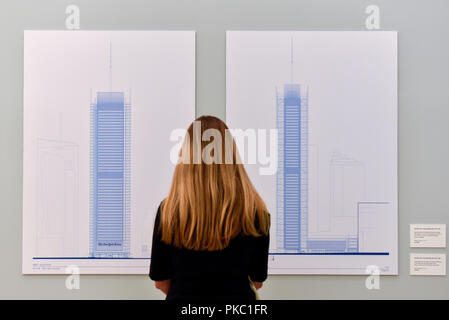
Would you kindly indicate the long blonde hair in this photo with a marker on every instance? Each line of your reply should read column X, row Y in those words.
column 211, row 203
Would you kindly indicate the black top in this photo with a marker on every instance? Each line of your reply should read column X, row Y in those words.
column 210, row 275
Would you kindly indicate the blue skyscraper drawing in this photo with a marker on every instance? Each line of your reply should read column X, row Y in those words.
column 292, row 175
column 110, row 176
column 292, row 187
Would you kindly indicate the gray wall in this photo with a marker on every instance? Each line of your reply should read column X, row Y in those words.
column 423, row 28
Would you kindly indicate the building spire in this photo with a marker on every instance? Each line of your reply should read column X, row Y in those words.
column 110, row 65
column 291, row 59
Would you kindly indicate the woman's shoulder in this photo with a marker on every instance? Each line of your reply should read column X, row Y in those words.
column 266, row 216
column 158, row 217
column 159, row 208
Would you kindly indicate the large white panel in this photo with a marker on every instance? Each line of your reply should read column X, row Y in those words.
column 332, row 96
column 99, row 107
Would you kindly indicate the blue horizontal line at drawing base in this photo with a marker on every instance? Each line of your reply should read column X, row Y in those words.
column 329, row 253
column 88, row 258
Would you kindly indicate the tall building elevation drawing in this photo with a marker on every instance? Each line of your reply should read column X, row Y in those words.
column 292, row 174
column 333, row 197
column 347, row 181
column 110, row 176
column 89, row 164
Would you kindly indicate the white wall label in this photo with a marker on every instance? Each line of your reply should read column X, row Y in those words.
column 428, row 235
column 427, row 264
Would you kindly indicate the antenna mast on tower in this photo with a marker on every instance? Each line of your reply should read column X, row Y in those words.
column 291, row 59
column 110, row 65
